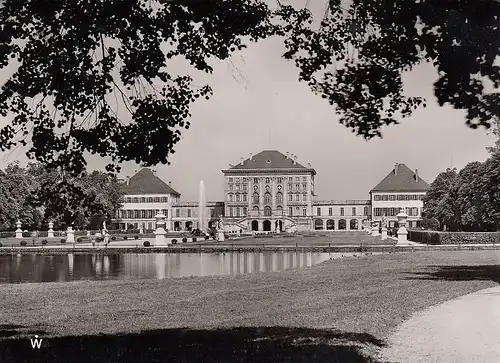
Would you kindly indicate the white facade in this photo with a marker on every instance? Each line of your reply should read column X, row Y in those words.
column 390, row 203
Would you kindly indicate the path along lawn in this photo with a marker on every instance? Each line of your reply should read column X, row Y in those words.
column 358, row 300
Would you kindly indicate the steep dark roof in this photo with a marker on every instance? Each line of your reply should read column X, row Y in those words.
column 405, row 180
column 145, row 182
column 268, row 159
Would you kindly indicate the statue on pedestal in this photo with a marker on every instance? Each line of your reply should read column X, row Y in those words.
column 220, row 225
column 384, row 221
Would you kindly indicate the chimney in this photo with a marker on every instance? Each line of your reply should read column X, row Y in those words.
column 169, row 183
column 251, row 156
column 396, row 169
column 128, row 180
column 416, row 175
column 287, row 154
column 309, row 165
column 294, row 160
column 241, row 161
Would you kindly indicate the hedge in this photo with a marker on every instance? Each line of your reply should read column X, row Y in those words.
column 453, row 238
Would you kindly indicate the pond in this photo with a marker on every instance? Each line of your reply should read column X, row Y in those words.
column 130, row 266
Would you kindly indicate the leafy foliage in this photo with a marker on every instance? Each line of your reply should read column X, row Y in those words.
column 357, row 57
column 75, row 56
column 469, row 200
column 35, row 195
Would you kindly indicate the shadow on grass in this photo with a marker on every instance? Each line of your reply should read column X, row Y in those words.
column 459, row 273
column 238, row 345
column 12, row 331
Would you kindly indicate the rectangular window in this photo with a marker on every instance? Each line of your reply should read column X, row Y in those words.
column 136, row 214
column 353, row 211
column 342, row 211
column 244, row 211
column 377, row 197
column 245, row 187
column 237, row 187
column 290, row 211
column 280, row 180
column 143, row 214
column 297, row 197
column 165, row 212
column 318, row 211
column 304, row 212
column 290, row 197
column 230, row 180
column 244, row 197
column 189, row 213
column 177, row 213
column 230, row 211
column 304, row 178
column 267, row 181
column 304, row 186
column 330, row 211
column 290, row 179
column 256, row 180
column 297, row 178
column 289, row 186
column 237, row 211
column 237, row 197
column 392, row 197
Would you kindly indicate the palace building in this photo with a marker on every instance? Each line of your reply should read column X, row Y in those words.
column 269, row 191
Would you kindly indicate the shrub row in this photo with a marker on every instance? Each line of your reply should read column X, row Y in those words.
column 454, row 238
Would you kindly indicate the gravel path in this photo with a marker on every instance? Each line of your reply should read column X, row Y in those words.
column 466, row 329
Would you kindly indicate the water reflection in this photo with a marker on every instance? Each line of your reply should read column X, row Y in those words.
column 43, row 268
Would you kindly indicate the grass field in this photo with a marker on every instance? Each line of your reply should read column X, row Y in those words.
column 339, row 311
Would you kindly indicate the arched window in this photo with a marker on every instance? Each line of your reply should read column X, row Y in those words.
column 237, row 197
column 279, row 209
column 267, row 198
column 256, row 198
column 279, row 198
column 255, row 208
column 267, row 211
column 230, row 197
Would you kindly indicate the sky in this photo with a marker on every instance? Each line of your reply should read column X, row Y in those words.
column 259, row 104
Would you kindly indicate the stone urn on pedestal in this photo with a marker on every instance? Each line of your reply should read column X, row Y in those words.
column 160, row 232
column 70, row 235
column 384, row 228
column 19, row 231
column 50, row 232
column 375, row 230
column 402, row 231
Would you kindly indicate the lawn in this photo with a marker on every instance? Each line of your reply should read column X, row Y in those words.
column 338, row 311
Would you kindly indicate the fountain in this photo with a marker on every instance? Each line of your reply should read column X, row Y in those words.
column 202, row 208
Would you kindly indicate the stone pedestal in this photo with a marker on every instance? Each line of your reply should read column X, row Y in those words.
column 384, row 233
column 160, row 232
column 375, row 232
column 402, row 231
column 70, row 235
column 50, row 232
column 19, row 231
column 220, row 236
